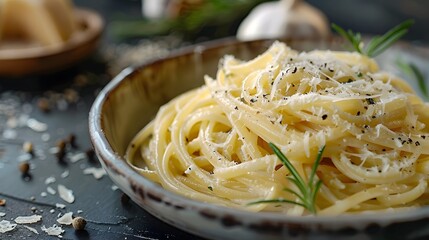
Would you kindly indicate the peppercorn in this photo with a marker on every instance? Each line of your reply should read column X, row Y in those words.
column 24, row 167
column 79, row 223
column 60, row 155
column 72, row 140
column 61, row 145
column 44, row 105
column 28, row 148
column 125, row 198
column 90, row 154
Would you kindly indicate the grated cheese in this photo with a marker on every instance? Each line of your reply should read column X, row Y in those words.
column 31, row 229
column 51, row 190
column 66, row 219
column 96, row 172
column 6, row 226
column 50, row 180
column 53, row 230
column 28, row 219
column 59, row 205
column 65, row 174
column 77, row 157
column 65, row 193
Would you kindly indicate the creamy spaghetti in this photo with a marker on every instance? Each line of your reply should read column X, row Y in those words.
column 211, row 143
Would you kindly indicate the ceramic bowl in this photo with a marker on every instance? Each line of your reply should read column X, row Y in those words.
column 133, row 98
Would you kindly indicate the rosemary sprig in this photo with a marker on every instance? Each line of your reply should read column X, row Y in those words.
column 378, row 44
column 307, row 191
column 412, row 71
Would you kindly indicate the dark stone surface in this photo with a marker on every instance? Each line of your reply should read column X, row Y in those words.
column 108, row 217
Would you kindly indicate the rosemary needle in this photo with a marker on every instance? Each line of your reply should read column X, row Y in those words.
column 412, row 71
column 307, row 192
column 378, row 44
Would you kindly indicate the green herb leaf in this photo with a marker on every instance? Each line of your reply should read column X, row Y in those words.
column 412, row 71
column 307, row 191
column 315, row 165
column 378, row 44
column 353, row 38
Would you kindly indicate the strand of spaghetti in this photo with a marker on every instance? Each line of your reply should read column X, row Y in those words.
column 354, row 200
column 403, row 198
column 211, row 143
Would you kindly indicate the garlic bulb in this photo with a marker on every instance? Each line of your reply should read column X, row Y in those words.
column 284, row 18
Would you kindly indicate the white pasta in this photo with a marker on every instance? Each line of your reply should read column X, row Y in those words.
column 211, row 143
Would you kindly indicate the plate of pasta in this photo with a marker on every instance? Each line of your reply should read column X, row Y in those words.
column 271, row 139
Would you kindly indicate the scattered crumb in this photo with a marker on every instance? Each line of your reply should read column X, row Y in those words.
column 50, row 180
column 59, row 205
column 6, row 226
column 66, row 219
column 52, row 211
column 79, row 211
column 114, row 187
column 10, row 134
column 53, row 150
column 36, row 126
column 65, row 174
column 43, row 194
column 2, row 214
column 24, row 157
column 31, row 229
column 53, row 230
column 96, row 172
column 77, row 157
column 65, row 193
column 45, row 137
column 28, row 219
column 51, row 190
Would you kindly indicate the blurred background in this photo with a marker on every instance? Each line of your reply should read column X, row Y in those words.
column 200, row 20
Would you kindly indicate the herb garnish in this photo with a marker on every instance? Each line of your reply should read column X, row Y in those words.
column 413, row 71
column 307, row 191
column 377, row 44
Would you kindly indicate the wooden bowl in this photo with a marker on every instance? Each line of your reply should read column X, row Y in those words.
column 21, row 59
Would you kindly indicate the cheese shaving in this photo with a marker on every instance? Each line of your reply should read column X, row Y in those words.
column 65, row 193
column 31, row 229
column 28, row 219
column 96, row 172
column 66, row 219
column 53, row 230
column 6, row 226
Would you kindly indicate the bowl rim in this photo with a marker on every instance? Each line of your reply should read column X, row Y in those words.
column 112, row 159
